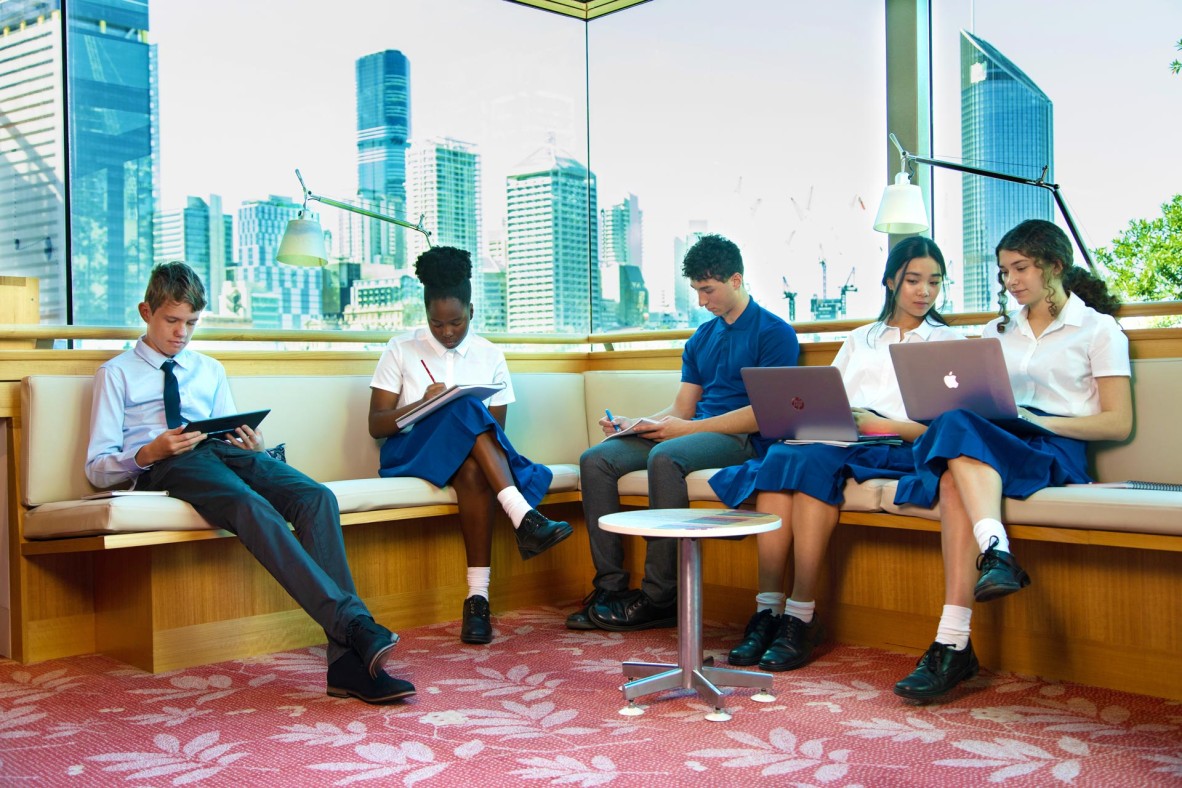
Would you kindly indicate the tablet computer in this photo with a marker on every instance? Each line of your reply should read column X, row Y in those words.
column 220, row 426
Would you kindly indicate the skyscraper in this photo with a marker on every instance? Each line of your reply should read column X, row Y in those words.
column 201, row 235
column 552, row 244
column 257, row 277
column 112, row 167
column 443, row 188
column 1006, row 124
column 32, row 151
column 383, row 128
column 619, row 246
column 113, row 157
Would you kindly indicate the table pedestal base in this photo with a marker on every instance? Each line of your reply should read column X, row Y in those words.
column 689, row 672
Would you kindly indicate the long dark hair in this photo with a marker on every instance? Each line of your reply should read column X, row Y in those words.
column 900, row 255
column 1046, row 244
column 446, row 272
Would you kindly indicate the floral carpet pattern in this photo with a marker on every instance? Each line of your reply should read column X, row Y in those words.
column 540, row 706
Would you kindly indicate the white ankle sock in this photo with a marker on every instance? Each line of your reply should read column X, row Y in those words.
column 514, row 504
column 985, row 530
column 766, row 600
column 478, row 577
column 954, row 626
column 802, row 610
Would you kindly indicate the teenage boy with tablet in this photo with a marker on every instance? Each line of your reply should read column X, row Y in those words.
column 142, row 400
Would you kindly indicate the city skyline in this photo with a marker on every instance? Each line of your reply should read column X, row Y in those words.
column 699, row 134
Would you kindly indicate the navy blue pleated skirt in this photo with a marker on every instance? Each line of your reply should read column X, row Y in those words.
column 814, row 469
column 1026, row 463
column 438, row 445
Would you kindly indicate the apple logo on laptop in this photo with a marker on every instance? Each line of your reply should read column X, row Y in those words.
column 797, row 403
column 950, row 380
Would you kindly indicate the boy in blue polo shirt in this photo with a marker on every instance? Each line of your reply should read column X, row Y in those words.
column 709, row 425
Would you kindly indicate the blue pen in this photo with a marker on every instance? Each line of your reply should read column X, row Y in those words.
column 612, row 419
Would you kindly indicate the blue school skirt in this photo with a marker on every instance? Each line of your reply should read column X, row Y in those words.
column 814, row 469
column 436, row 447
column 1026, row 463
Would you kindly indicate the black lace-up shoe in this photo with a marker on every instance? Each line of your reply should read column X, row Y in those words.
column 477, row 626
column 793, row 646
column 372, row 642
column 632, row 612
column 537, row 534
column 761, row 631
column 348, row 677
column 1000, row 574
column 940, row 669
column 580, row 618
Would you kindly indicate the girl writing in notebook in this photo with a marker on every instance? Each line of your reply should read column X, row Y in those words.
column 1068, row 363
column 462, row 443
column 804, row 483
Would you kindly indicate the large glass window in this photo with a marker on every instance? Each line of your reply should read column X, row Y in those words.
column 1083, row 89
column 575, row 162
column 761, row 121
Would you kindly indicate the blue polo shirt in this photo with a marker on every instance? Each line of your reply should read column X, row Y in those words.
column 717, row 351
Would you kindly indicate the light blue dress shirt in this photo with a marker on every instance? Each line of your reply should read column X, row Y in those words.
column 127, row 409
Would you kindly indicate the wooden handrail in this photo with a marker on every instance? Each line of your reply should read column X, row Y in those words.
column 41, row 332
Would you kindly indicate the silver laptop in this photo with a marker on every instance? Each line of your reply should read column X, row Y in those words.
column 935, row 377
column 800, row 403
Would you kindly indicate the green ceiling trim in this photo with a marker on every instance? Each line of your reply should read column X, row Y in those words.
column 585, row 10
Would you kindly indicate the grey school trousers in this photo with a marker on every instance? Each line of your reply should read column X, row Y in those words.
column 667, row 463
column 254, row 496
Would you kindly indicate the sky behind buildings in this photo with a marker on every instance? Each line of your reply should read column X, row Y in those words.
column 766, row 119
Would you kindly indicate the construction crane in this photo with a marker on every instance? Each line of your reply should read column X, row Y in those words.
column 848, row 287
column 790, row 294
column 826, row 308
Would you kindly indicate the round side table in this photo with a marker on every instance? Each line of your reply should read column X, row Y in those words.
column 689, row 526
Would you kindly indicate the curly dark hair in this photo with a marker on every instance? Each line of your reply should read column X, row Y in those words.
column 712, row 257
column 1047, row 245
column 174, row 281
column 446, row 272
column 900, row 255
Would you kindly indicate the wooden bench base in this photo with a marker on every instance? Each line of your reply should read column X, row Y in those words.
column 1095, row 614
column 167, row 606
column 1103, row 609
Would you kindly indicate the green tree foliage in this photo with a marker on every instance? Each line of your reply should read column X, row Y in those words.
column 1145, row 261
column 1176, row 66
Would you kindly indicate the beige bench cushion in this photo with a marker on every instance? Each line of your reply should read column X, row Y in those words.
column 1102, row 509
column 55, row 430
column 112, row 516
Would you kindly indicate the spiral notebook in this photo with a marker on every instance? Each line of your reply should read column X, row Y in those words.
column 1133, row 484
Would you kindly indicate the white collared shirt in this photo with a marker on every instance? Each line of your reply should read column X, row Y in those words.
column 866, row 369
column 127, row 408
column 1057, row 372
column 475, row 360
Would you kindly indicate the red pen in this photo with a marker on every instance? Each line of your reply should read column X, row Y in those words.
column 424, row 363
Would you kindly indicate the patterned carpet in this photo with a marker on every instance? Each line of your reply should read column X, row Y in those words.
column 540, row 706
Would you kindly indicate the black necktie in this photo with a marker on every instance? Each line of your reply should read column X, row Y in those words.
column 172, row 396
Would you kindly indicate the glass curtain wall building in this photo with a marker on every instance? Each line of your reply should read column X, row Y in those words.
column 1007, row 125
column 32, row 151
column 113, row 167
column 383, row 128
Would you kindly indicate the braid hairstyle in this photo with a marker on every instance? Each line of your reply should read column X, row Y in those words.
column 1046, row 244
column 446, row 272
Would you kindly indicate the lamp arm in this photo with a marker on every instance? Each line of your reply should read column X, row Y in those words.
column 1053, row 188
column 344, row 206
